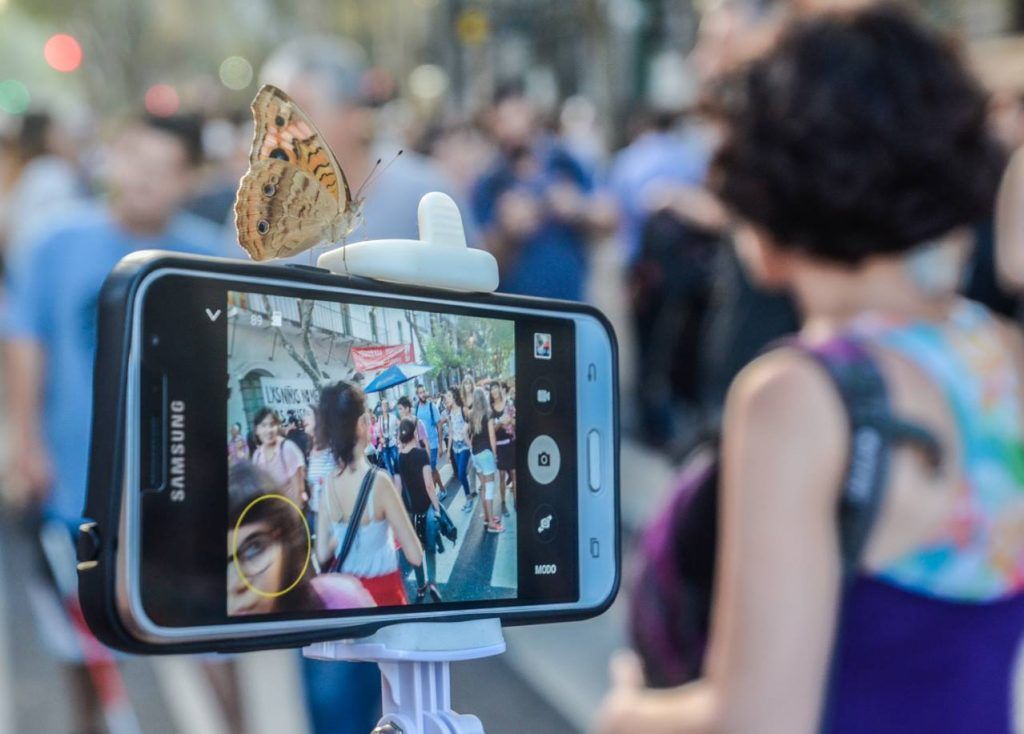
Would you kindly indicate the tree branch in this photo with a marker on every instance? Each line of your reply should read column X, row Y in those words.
column 311, row 368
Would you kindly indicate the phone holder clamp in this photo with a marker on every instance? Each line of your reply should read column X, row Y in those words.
column 414, row 662
column 439, row 259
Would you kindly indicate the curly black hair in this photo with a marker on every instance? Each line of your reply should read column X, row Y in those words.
column 860, row 133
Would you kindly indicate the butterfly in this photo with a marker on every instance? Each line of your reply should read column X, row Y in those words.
column 294, row 195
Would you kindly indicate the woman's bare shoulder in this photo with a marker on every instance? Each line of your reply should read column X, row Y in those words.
column 783, row 409
column 382, row 484
column 782, row 382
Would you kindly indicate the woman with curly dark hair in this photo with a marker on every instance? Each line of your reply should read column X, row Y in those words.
column 856, row 155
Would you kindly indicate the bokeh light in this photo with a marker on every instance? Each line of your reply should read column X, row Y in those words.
column 162, row 100
column 428, row 81
column 472, row 27
column 62, row 52
column 236, row 72
column 14, row 97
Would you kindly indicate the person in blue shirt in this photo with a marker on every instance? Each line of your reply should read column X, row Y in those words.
column 666, row 158
column 433, row 421
column 49, row 318
column 534, row 206
column 52, row 292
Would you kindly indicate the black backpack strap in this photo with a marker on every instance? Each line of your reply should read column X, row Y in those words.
column 862, row 389
column 355, row 520
column 874, row 432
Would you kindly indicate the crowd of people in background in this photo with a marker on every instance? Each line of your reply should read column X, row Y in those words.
column 534, row 193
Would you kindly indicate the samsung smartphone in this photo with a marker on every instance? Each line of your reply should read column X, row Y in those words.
column 209, row 375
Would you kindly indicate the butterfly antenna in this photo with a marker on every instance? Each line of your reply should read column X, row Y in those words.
column 376, row 172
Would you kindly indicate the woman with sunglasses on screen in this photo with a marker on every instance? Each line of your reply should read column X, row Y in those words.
column 370, row 556
column 417, row 480
column 484, row 447
column 269, row 552
column 857, row 154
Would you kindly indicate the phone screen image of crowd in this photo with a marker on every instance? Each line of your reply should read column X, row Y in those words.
column 371, row 457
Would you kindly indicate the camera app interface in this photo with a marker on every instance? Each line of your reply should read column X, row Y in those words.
column 373, row 458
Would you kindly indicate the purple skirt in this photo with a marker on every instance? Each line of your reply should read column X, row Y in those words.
column 912, row 664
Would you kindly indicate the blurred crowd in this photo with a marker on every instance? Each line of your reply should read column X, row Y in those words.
column 542, row 189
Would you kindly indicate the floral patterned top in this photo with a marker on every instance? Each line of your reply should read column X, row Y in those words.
column 978, row 555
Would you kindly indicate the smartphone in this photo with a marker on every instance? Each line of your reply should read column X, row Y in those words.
column 222, row 480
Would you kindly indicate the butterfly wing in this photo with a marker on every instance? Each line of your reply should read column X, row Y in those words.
column 283, row 131
column 281, row 210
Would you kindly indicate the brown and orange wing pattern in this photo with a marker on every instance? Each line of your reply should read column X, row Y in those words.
column 283, row 131
column 280, row 210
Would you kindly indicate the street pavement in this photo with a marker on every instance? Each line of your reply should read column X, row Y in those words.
column 479, row 565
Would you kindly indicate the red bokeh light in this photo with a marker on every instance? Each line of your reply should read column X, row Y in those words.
column 62, row 52
column 162, row 100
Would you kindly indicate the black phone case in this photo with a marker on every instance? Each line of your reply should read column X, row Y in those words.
column 99, row 545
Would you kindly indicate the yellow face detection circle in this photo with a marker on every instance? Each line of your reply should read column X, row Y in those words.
column 234, row 546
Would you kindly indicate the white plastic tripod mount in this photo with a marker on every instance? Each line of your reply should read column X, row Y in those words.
column 439, row 259
column 414, row 658
column 414, row 662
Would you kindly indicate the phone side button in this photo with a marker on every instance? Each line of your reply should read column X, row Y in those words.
column 594, row 460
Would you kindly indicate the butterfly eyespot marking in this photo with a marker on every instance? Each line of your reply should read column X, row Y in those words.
column 279, row 121
column 269, row 189
column 279, row 153
column 263, row 226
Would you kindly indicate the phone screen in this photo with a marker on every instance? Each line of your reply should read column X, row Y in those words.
column 279, row 403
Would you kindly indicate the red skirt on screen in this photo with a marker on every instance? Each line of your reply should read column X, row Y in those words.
column 387, row 590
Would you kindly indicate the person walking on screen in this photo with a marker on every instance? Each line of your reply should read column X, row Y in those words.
column 484, row 446
column 344, row 428
column 430, row 416
column 416, row 479
column 279, row 457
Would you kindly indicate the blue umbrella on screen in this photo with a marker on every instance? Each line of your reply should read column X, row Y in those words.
column 396, row 374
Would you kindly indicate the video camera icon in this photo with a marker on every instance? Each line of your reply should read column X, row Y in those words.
column 544, row 459
column 543, row 396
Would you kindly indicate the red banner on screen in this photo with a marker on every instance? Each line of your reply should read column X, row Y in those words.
column 372, row 359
